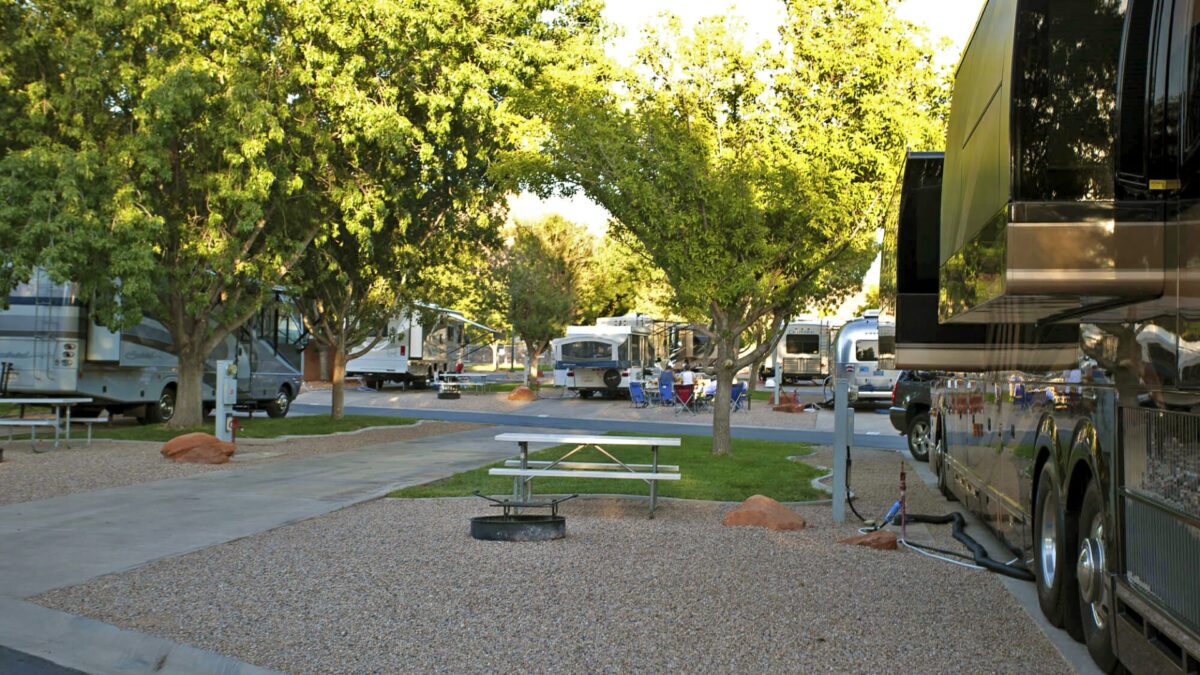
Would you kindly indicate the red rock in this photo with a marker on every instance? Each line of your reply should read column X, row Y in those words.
column 198, row 448
column 760, row 511
column 522, row 393
column 880, row 540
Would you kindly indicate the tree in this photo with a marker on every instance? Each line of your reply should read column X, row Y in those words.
column 752, row 177
column 176, row 158
column 544, row 270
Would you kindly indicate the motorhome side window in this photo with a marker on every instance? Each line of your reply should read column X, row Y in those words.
column 1193, row 75
column 809, row 345
column 1135, row 83
column 865, row 350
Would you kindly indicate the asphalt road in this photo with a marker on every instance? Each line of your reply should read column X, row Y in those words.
column 882, row 441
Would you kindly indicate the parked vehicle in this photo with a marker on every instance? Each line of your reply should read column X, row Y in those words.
column 910, row 411
column 55, row 349
column 802, row 352
column 1057, row 281
column 602, row 359
column 418, row 343
column 865, row 351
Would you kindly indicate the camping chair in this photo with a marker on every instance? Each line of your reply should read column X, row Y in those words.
column 685, row 398
column 637, row 395
column 666, row 393
column 738, row 399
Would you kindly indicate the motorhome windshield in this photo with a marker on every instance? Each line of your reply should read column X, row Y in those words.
column 803, row 345
column 587, row 351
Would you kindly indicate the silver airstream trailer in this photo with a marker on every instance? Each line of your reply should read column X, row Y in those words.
column 865, row 351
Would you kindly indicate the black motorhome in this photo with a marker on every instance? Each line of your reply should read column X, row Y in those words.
column 1060, row 273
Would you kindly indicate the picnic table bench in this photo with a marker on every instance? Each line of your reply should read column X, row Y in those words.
column 61, row 422
column 524, row 471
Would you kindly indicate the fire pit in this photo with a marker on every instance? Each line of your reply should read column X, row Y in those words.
column 514, row 526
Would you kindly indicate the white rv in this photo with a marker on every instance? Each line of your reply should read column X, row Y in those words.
column 605, row 357
column 418, row 344
column 802, row 352
column 53, row 348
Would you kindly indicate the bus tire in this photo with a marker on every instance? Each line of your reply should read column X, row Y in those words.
column 279, row 406
column 1053, row 545
column 163, row 409
column 1095, row 602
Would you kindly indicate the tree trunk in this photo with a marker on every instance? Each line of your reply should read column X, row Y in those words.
column 722, row 442
column 495, row 355
column 754, row 370
column 189, row 409
column 531, row 363
column 337, row 368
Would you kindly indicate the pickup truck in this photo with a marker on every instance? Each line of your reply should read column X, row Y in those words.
column 910, row 411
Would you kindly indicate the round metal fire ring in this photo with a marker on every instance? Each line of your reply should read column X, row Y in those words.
column 519, row 528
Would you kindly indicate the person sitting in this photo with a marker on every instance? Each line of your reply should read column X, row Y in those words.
column 687, row 377
column 710, row 389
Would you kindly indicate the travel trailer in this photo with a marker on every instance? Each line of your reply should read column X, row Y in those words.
column 418, row 344
column 602, row 359
column 802, row 352
column 1047, row 266
column 53, row 348
column 864, row 350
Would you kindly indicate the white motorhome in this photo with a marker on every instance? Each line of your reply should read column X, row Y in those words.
column 53, row 348
column 865, row 351
column 418, row 343
column 802, row 352
column 605, row 357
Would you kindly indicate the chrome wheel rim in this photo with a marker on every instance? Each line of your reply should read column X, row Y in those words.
column 1090, row 571
column 166, row 405
column 921, row 442
column 1048, row 549
column 282, row 400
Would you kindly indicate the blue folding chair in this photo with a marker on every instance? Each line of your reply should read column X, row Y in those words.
column 637, row 395
column 737, row 398
column 666, row 393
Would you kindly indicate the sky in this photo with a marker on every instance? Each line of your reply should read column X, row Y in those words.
column 953, row 19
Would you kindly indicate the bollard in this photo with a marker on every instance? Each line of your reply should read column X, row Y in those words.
column 841, row 445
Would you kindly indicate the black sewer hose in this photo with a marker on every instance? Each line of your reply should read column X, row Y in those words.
column 978, row 553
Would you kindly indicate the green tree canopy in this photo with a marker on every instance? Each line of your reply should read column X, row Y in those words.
column 177, row 156
column 752, row 177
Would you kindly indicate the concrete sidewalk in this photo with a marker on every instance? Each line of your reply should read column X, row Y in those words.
column 67, row 540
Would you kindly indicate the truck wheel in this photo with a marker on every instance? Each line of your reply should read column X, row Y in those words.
column 1095, row 604
column 920, row 438
column 943, row 486
column 1053, row 537
column 163, row 409
column 279, row 406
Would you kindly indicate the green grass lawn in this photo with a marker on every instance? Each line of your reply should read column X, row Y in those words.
column 755, row 467
column 256, row 427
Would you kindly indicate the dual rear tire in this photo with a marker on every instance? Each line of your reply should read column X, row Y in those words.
column 1070, row 566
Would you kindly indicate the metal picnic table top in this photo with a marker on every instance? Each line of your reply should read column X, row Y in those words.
column 589, row 439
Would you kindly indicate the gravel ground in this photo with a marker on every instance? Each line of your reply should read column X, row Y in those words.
column 399, row 585
column 26, row 475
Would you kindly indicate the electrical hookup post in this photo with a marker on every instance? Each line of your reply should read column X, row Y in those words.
column 843, row 436
column 226, row 397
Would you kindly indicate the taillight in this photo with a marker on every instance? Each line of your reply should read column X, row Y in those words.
column 624, row 373
column 570, row 373
column 894, row 385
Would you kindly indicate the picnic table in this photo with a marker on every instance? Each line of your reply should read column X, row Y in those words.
column 524, row 471
column 462, row 382
column 61, row 422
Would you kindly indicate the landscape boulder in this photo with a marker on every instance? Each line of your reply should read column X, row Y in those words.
column 522, row 393
column 760, row 511
column 880, row 540
column 198, row 448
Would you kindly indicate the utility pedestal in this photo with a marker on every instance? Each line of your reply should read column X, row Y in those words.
column 843, row 435
column 226, row 398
